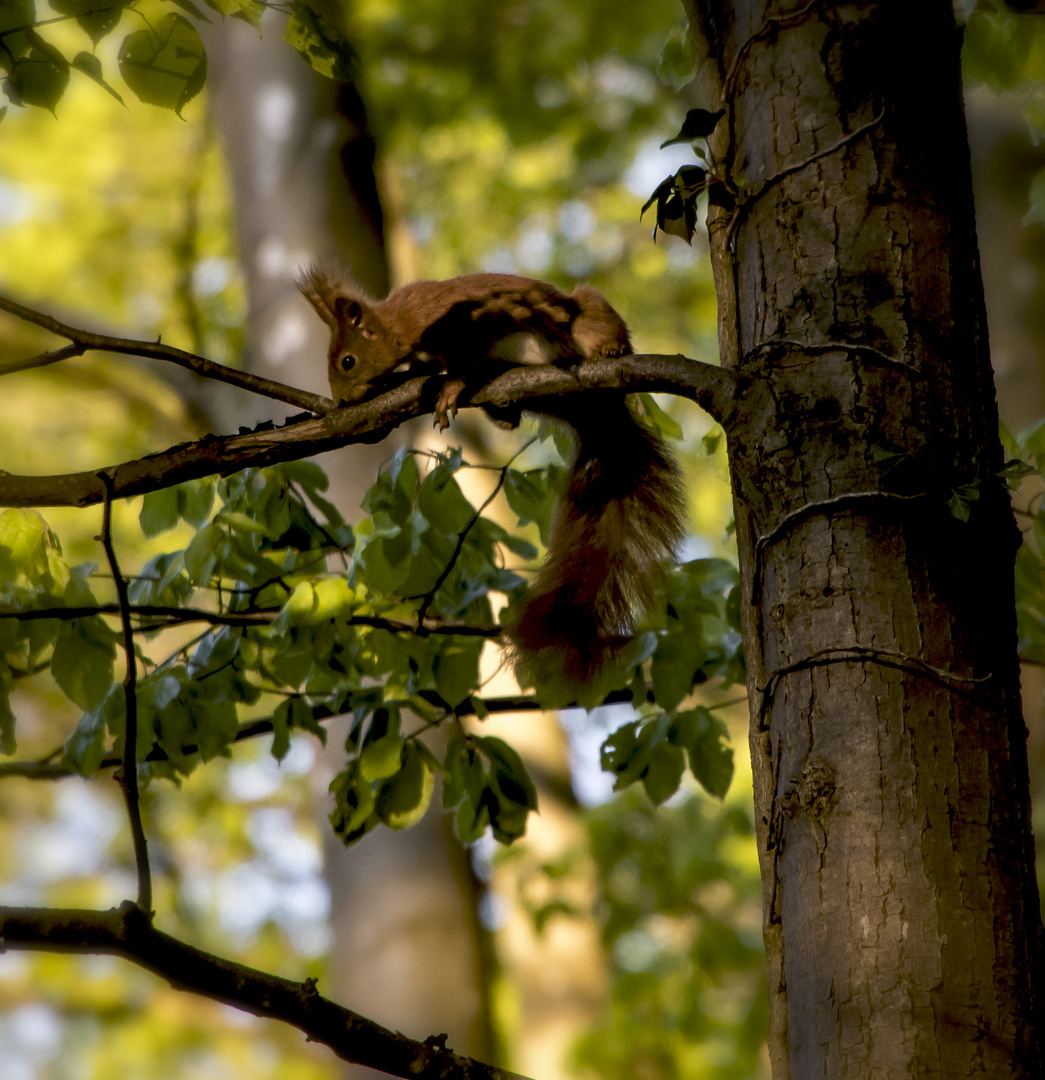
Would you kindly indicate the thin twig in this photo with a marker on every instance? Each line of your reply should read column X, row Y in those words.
column 86, row 340
column 127, row 774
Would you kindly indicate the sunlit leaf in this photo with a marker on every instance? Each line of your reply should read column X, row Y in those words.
column 403, row 799
column 165, row 64
column 320, row 44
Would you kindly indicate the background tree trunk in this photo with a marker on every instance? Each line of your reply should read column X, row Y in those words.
column 901, row 910
column 407, row 948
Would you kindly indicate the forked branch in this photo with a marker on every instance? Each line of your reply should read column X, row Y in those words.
column 86, row 341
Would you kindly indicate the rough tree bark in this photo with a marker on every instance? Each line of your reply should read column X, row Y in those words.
column 901, row 910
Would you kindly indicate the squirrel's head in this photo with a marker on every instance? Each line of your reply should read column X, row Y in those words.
column 360, row 348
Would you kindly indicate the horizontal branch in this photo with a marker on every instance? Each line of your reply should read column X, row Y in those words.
column 85, row 341
column 126, row 932
column 47, row 768
column 161, row 617
column 710, row 387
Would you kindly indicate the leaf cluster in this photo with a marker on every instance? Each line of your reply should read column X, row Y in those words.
column 162, row 63
column 305, row 618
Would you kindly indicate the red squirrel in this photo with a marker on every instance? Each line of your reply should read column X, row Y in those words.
column 621, row 520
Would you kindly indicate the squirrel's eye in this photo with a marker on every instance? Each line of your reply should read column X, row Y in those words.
column 345, row 363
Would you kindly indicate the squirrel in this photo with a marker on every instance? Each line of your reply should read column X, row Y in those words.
column 621, row 519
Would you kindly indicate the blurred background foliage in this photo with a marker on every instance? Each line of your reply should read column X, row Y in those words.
column 515, row 137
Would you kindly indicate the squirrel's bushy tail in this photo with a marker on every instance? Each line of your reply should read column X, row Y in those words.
column 620, row 523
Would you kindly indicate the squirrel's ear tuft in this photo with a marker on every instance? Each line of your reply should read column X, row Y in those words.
column 320, row 292
column 335, row 302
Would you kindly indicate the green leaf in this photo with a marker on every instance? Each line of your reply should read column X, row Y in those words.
column 1036, row 209
column 25, row 536
column 82, row 661
column 162, row 581
column 995, row 47
column 96, row 19
column 508, row 821
column 471, row 820
column 381, row 756
column 91, row 66
column 675, row 62
column 456, row 761
column 229, row 7
column 195, row 500
column 15, row 13
column 403, row 799
column 159, row 511
column 510, row 773
column 442, row 502
column 658, row 418
column 165, row 64
column 531, row 495
column 664, row 772
column 624, row 755
column 281, row 730
column 320, row 44
column 201, row 556
column 193, row 9
column 85, row 748
column 353, row 814
column 960, row 500
column 40, row 78
column 680, row 654
column 710, row 760
column 456, row 669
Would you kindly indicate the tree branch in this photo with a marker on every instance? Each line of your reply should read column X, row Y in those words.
column 46, row 769
column 712, row 388
column 175, row 616
column 85, row 340
column 126, row 932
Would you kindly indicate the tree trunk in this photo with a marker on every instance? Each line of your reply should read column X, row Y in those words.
column 876, row 544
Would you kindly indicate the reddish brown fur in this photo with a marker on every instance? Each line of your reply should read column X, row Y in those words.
column 621, row 519
column 370, row 338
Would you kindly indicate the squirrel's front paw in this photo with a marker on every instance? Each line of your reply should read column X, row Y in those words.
column 446, row 403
